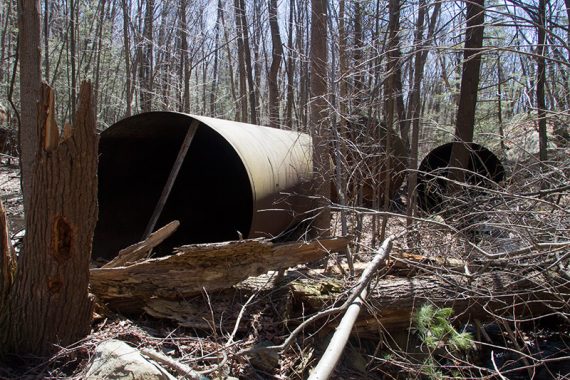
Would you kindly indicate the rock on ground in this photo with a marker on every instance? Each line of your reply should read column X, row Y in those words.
column 116, row 360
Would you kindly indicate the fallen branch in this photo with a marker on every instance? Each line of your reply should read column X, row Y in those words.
column 365, row 279
column 142, row 250
column 336, row 346
column 182, row 369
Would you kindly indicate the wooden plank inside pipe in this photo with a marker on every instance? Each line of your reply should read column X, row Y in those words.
column 171, row 178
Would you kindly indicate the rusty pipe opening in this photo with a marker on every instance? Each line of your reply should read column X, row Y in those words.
column 223, row 189
column 485, row 166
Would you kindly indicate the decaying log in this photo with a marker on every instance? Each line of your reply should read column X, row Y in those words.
column 199, row 267
column 394, row 299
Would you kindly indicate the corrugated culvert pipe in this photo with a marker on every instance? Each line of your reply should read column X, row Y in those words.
column 235, row 180
column 485, row 166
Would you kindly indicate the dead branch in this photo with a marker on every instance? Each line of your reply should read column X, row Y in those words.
column 182, row 369
column 336, row 346
column 142, row 250
column 365, row 279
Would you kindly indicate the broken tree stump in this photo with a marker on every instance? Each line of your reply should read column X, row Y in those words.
column 199, row 267
column 49, row 303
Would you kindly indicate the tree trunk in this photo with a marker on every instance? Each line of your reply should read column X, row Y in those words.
column 46, row 39
column 248, row 64
column 49, row 304
column 126, row 41
column 290, row 68
column 500, row 105
column 30, row 63
column 99, row 52
column 73, row 53
column 541, row 81
column 277, row 56
column 241, row 63
column 184, row 60
column 319, row 119
column 465, row 121
column 414, row 108
column 146, row 61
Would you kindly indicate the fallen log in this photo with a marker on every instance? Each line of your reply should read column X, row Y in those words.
column 199, row 267
column 499, row 294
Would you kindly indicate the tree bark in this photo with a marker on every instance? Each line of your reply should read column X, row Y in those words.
column 146, row 59
column 241, row 63
column 184, row 59
column 73, row 53
column 290, row 68
column 127, row 47
column 248, row 64
column 414, row 108
column 541, row 81
column 319, row 119
column 276, row 58
column 465, row 121
column 30, row 63
column 49, row 304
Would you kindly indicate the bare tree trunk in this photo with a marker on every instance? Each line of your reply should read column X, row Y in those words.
column 500, row 104
column 277, row 56
column 215, row 74
column 46, row 39
column 235, row 98
column 290, row 69
column 357, row 58
column 319, row 119
column 99, row 51
column 73, row 54
column 184, row 59
column 30, row 63
column 49, row 304
column 465, row 121
column 343, row 60
column 146, row 62
column 414, row 109
column 126, row 41
column 541, row 81
column 248, row 65
column 241, row 63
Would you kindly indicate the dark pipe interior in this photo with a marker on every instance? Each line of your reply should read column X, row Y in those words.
column 486, row 166
column 211, row 197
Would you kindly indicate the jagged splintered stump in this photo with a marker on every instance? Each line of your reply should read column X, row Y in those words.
column 48, row 303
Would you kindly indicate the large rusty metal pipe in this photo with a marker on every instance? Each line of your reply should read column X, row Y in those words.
column 236, row 180
column 486, row 169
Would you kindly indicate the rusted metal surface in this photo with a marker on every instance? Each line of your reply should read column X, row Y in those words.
column 486, row 169
column 236, row 180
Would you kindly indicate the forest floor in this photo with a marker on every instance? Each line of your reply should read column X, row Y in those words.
column 538, row 349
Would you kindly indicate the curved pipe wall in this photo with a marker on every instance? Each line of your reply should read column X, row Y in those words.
column 236, row 179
